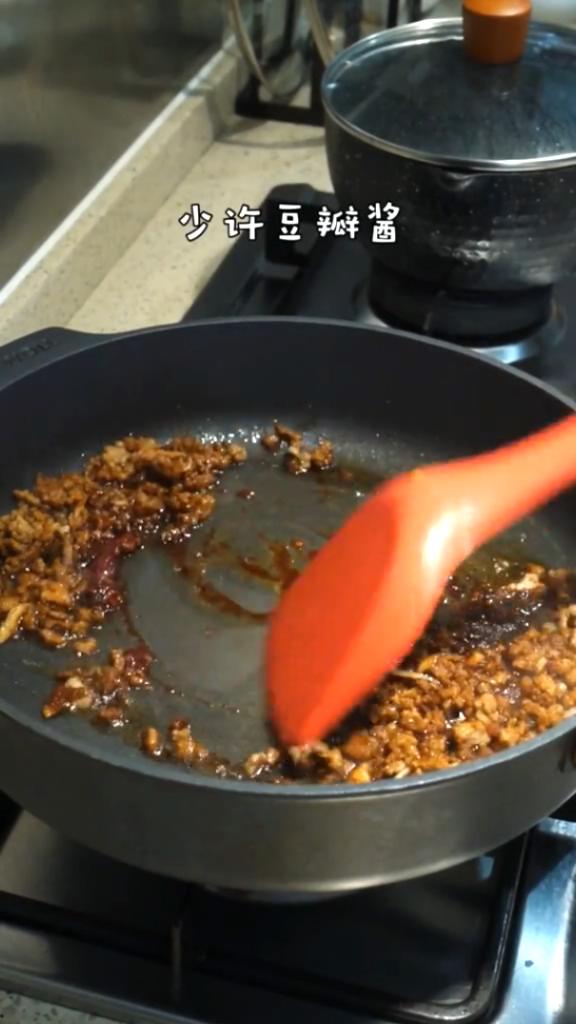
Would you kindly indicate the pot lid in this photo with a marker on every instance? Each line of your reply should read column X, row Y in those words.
column 414, row 91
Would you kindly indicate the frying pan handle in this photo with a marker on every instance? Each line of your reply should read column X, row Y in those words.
column 495, row 30
column 25, row 355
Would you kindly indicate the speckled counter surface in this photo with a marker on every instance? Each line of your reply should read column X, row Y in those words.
column 159, row 276
column 19, row 1010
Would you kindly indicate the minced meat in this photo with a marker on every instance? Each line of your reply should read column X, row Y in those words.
column 497, row 666
column 60, row 547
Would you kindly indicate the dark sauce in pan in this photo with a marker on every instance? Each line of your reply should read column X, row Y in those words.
column 472, row 614
column 469, row 611
column 280, row 569
column 131, row 627
column 277, row 568
column 349, row 477
column 477, row 610
column 210, row 595
column 195, row 568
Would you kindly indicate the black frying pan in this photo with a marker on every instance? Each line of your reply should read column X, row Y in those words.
column 388, row 401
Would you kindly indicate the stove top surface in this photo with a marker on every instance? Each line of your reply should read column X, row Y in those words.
column 329, row 277
column 479, row 942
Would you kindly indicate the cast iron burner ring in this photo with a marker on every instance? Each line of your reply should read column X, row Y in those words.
column 274, row 898
column 512, row 328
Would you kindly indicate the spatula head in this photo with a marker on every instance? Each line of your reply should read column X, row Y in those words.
column 355, row 612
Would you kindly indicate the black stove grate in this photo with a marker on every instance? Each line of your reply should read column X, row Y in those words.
column 328, row 277
column 430, row 950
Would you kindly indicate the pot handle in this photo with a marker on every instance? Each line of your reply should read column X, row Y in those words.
column 41, row 348
column 495, row 30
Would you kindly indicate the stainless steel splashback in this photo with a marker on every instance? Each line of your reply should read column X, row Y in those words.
column 79, row 80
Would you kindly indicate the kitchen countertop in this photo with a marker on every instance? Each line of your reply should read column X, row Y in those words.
column 62, row 274
column 20, row 1010
column 159, row 276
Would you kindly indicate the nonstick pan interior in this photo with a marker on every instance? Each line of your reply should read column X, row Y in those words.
column 208, row 666
column 208, row 645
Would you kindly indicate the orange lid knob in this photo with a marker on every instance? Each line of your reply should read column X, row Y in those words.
column 495, row 30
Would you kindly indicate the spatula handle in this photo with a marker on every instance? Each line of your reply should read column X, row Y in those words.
column 511, row 482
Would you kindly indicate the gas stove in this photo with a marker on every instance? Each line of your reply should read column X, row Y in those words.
column 491, row 941
column 334, row 277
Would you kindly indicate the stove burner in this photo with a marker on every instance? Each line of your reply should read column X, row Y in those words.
column 514, row 351
column 327, row 277
column 510, row 327
column 480, row 942
column 99, row 935
column 289, row 899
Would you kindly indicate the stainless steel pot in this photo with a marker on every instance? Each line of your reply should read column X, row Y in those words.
column 480, row 160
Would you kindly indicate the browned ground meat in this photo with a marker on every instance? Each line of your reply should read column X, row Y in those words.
column 439, row 710
column 446, row 708
column 299, row 458
column 61, row 545
column 496, row 667
column 443, row 708
column 101, row 689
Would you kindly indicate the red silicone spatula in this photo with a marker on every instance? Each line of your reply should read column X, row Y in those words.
column 360, row 605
